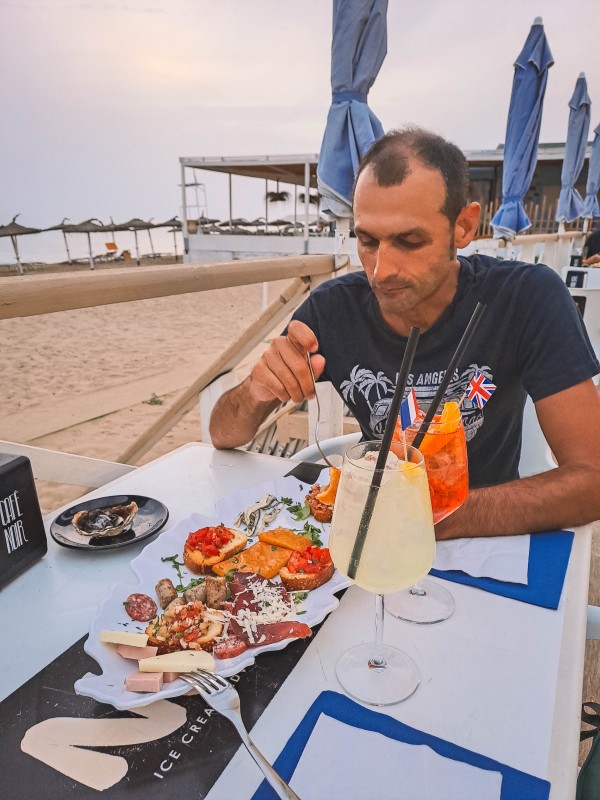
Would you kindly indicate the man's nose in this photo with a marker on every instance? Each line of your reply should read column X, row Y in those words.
column 387, row 264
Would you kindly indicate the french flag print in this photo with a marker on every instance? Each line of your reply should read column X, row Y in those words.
column 409, row 409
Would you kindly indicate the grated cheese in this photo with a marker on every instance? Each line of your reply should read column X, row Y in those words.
column 274, row 609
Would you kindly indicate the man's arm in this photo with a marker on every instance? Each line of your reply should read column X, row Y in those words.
column 281, row 374
column 563, row 497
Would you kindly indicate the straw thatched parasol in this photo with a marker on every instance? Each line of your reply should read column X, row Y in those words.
column 14, row 229
column 136, row 225
column 175, row 226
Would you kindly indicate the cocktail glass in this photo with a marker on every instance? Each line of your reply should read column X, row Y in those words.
column 398, row 549
column 445, row 451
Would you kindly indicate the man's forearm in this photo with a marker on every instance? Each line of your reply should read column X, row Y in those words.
column 236, row 417
column 563, row 497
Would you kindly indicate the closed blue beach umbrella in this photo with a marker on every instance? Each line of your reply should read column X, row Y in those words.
column 570, row 204
column 359, row 46
column 523, row 131
column 590, row 204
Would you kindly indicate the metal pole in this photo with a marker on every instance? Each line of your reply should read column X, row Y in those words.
column 137, row 252
column 266, row 205
column 230, row 203
column 175, row 243
column 183, row 202
column 151, row 244
column 295, row 206
column 306, row 203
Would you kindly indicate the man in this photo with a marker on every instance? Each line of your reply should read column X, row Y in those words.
column 591, row 249
column 411, row 214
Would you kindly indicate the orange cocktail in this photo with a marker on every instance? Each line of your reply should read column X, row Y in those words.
column 445, row 451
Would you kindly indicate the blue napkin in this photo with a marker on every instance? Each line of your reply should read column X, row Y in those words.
column 548, row 561
column 516, row 785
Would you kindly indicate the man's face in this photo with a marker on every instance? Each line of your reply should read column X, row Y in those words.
column 405, row 244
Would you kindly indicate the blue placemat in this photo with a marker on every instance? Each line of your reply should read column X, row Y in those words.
column 516, row 785
column 548, row 561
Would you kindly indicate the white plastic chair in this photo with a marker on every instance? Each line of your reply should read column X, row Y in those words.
column 335, row 445
column 536, row 455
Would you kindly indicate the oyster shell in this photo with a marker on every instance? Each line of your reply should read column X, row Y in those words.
column 109, row 521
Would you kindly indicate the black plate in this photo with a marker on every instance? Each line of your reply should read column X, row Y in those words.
column 150, row 518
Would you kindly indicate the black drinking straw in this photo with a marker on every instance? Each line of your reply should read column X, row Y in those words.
column 363, row 528
column 462, row 345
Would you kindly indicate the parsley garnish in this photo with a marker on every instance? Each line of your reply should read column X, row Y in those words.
column 312, row 532
column 299, row 511
column 299, row 597
column 180, row 588
column 229, row 575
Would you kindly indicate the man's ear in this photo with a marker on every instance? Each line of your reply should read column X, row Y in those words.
column 466, row 224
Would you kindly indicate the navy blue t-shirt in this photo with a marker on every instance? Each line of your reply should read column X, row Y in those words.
column 531, row 340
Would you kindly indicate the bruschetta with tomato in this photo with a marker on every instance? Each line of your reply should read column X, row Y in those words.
column 321, row 499
column 306, row 570
column 209, row 546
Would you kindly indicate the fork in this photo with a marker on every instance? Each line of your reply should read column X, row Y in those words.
column 221, row 695
column 312, row 375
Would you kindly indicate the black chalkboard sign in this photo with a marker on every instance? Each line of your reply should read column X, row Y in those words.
column 22, row 535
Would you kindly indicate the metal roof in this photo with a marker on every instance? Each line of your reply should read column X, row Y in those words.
column 284, row 168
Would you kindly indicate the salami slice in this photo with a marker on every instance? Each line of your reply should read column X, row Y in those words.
column 140, row 607
column 230, row 648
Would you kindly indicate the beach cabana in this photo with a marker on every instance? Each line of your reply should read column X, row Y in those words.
column 14, row 230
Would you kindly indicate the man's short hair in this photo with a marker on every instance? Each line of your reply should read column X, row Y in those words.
column 389, row 159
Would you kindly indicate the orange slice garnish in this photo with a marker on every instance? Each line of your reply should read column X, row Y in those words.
column 449, row 423
column 328, row 494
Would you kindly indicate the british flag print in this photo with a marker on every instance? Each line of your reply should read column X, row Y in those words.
column 480, row 389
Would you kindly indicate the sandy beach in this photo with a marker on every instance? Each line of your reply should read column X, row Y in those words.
column 80, row 381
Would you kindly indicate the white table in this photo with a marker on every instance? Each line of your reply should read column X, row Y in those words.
column 500, row 677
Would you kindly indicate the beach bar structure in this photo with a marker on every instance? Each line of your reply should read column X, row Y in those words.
column 303, row 232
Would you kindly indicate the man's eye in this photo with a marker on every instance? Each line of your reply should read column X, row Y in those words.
column 404, row 244
column 369, row 243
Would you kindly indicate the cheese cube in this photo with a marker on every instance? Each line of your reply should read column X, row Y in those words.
column 124, row 637
column 144, row 682
column 182, row 661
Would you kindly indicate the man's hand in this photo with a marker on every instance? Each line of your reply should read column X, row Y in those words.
column 280, row 375
column 282, row 372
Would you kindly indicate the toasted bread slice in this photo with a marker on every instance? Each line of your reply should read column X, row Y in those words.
column 284, row 537
column 303, row 582
column 201, row 564
column 307, row 570
column 265, row 559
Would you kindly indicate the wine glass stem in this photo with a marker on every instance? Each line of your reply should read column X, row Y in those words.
column 418, row 590
column 377, row 661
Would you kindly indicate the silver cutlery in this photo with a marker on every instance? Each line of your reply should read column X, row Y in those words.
column 317, row 442
column 221, row 695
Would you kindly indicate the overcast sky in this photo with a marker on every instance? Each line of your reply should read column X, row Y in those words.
column 100, row 98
